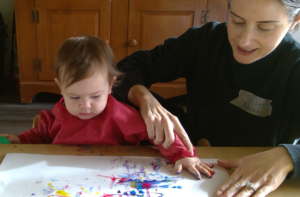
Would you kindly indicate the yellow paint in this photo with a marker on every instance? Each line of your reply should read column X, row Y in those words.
column 81, row 188
column 62, row 193
column 49, row 184
column 97, row 192
column 85, row 191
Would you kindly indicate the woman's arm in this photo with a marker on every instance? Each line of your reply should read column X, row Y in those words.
column 160, row 123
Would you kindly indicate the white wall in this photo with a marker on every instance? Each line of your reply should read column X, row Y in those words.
column 296, row 35
column 6, row 9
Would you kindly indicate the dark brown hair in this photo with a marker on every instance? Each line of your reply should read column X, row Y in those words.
column 79, row 57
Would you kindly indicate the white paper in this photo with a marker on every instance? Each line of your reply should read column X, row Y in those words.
column 33, row 175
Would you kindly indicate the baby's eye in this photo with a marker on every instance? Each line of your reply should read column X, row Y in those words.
column 95, row 97
column 75, row 97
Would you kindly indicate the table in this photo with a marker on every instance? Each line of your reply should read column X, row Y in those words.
column 290, row 188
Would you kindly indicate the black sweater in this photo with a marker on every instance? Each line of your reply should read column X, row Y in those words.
column 229, row 103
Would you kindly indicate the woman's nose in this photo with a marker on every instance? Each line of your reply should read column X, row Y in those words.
column 246, row 37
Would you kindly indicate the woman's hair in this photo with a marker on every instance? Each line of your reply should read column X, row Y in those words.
column 293, row 10
column 80, row 57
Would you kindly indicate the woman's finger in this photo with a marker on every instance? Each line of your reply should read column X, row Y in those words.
column 159, row 131
column 263, row 191
column 233, row 180
column 168, row 131
column 246, row 191
column 150, row 127
column 229, row 164
column 181, row 133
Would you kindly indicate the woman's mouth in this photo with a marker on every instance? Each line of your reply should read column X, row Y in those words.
column 245, row 51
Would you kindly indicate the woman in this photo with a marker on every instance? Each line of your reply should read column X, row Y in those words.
column 243, row 89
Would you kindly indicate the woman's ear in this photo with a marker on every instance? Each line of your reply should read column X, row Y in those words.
column 295, row 22
column 111, row 83
column 58, row 84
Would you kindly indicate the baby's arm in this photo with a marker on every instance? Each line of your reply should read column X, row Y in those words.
column 182, row 158
column 41, row 134
column 12, row 138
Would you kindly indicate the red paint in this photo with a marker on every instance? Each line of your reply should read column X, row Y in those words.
column 146, row 185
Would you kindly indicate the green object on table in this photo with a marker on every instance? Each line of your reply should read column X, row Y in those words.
column 4, row 140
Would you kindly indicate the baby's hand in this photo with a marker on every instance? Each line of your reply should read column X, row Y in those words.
column 12, row 138
column 195, row 166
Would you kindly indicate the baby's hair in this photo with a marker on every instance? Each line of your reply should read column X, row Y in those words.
column 79, row 57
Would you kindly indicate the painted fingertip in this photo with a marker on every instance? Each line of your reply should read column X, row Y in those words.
column 178, row 172
column 197, row 177
column 212, row 165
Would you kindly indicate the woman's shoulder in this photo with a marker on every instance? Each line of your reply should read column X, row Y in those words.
column 290, row 45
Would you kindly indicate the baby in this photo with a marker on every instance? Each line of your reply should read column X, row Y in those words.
column 87, row 114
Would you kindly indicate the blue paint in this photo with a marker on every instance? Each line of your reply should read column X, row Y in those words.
column 178, row 187
column 54, row 180
column 133, row 192
column 119, row 191
column 141, row 191
column 33, row 194
column 91, row 189
column 125, row 193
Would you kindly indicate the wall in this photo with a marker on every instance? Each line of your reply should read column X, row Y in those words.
column 6, row 9
column 296, row 35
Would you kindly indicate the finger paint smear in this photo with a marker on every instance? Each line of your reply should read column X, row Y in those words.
column 140, row 179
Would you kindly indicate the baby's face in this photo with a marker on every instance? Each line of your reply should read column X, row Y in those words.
column 87, row 98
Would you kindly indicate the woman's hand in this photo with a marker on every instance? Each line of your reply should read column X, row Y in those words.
column 194, row 165
column 161, row 124
column 12, row 138
column 266, row 170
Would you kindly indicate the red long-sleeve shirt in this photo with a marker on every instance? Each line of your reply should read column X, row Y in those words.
column 118, row 124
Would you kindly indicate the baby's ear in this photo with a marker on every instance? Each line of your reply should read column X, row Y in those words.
column 111, row 83
column 58, row 84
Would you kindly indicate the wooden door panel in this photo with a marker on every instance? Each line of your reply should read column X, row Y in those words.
column 152, row 21
column 176, row 22
column 26, row 39
column 217, row 10
column 59, row 20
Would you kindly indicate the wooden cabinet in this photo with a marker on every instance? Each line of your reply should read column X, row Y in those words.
column 126, row 25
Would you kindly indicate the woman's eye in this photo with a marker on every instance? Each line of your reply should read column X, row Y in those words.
column 95, row 97
column 75, row 97
column 263, row 29
column 238, row 23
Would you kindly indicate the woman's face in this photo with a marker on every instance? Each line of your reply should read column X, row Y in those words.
column 255, row 28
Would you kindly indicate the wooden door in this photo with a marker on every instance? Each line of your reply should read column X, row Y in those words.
column 216, row 10
column 61, row 19
column 152, row 21
column 26, row 39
